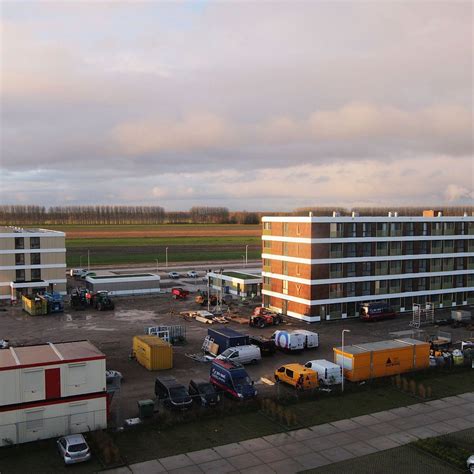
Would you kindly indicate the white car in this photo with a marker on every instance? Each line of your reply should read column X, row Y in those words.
column 470, row 463
column 174, row 275
column 112, row 375
column 73, row 449
column 192, row 274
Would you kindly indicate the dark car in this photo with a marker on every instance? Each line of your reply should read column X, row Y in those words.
column 173, row 394
column 203, row 392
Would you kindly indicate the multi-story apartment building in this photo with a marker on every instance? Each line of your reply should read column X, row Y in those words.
column 320, row 268
column 31, row 260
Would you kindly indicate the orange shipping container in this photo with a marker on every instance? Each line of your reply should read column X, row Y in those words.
column 383, row 358
column 153, row 352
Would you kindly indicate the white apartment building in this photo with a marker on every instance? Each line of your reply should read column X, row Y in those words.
column 31, row 260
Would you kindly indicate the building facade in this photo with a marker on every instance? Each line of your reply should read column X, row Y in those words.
column 31, row 260
column 235, row 282
column 323, row 268
column 50, row 390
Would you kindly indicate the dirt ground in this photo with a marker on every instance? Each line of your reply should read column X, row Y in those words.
column 112, row 332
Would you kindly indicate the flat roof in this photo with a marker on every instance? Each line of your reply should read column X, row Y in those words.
column 380, row 345
column 12, row 231
column 48, row 354
column 237, row 275
column 133, row 275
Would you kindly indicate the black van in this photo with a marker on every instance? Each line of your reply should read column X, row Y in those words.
column 376, row 311
column 203, row 392
column 172, row 393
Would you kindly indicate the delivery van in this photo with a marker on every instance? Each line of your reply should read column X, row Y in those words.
column 249, row 354
column 329, row 373
column 297, row 375
column 232, row 379
column 296, row 340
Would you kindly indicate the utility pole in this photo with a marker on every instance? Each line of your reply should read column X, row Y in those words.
column 208, row 291
column 246, row 255
column 88, row 260
column 166, row 256
column 343, row 358
column 156, row 260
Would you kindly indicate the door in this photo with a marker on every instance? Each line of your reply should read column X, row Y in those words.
column 52, row 379
column 33, row 385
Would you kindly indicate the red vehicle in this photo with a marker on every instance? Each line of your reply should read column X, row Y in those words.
column 179, row 293
column 376, row 312
column 262, row 317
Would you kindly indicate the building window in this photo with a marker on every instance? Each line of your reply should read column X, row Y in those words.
column 20, row 275
column 382, row 229
column 286, row 226
column 266, row 264
column 448, row 246
column 336, row 250
column 435, row 265
column 423, row 247
column 395, row 286
column 335, row 270
column 459, row 280
column 382, row 248
column 409, row 228
column 435, row 283
column 437, row 228
column 380, row 287
column 298, row 229
column 366, row 249
column 422, row 266
column 424, row 230
column 267, row 226
column 421, row 284
column 285, row 287
column 381, row 268
column 408, row 265
column 267, row 244
column 351, row 269
column 285, row 268
column 366, row 268
column 351, row 230
column 395, row 248
column 459, row 263
column 470, row 246
column 285, row 248
column 395, row 229
column 436, row 246
column 34, row 243
column 408, row 248
column 449, row 228
column 351, row 250
column 19, row 259
column 366, row 230
column 335, row 290
column 19, row 243
column 448, row 264
column 336, row 229
column 447, row 281
column 35, row 259
column 408, row 285
column 365, row 288
column 350, row 289
column 35, row 274
column 396, row 267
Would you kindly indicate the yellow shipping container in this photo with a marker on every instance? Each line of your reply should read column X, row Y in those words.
column 34, row 306
column 153, row 352
column 383, row 358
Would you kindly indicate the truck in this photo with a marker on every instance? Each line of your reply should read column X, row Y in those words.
column 227, row 337
column 297, row 340
column 263, row 317
column 231, row 378
column 101, row 301
column 267, row 346
column 179, row 293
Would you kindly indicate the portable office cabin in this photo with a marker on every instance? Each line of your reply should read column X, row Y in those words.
column 382, row 358
column 121, row 285
column 153, row 352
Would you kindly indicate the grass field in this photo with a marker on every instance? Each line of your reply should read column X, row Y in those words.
column 143, row 244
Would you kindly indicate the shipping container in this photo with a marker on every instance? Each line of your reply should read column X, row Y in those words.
column 382, row 358
column 34, row 306
column 227, row 337
column 153, row 352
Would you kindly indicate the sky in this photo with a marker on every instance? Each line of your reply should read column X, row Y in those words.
column 249, row 105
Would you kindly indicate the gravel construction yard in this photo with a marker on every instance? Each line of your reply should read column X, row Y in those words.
column 112, row 332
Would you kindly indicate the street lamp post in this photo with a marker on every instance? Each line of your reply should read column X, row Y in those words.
column 156, row 260
column 243, row 260
column 343, row 358
column 80, row 261
column 166, row 256
column 246, row 255
column 88, row 260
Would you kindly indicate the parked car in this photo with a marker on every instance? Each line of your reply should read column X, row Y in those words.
column 112, row 375
column 232, row 379
column 75, row 272
column 174, row 275
column 329, row 373
column 83, row 275
column 172, row 393
column 192, row 274
column 376, row 311
column 248, row 354
column 203, row 393
column 470, row 463
column 74, row 449
column 297, row 375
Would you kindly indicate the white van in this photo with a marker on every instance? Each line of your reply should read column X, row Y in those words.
column 289, row 341
column 328, row 372
column 242, row 354
column 311, row 338
column 76, row 272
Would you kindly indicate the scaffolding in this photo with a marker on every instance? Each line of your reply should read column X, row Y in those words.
column 422, row 315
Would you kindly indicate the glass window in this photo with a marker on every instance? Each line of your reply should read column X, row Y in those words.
column 335, row 290
column 351, row 250
column 335, row 270
column 36, row 274
column 267, row 244
column 435, row 265
column 459, row 263
column 424, row 230
column 409, row 228
column 422, row 247
column 409, row 248
column 20, row 275
column 437, row 228
column 422, row 266
column 395, row 248
column 34, row 243
column 396, row 267
column 448, row 264
column 19, row 243
column 447, row 281
column 366, row 230
column 351, row 269
column 267, row 226
column 380, row 287
column 449, row 228
column 395, row 229
column 365, row 288
column 459, row 245
column 448, row 246
column 395, row 286
column 381, row 268
column 351, row 230
column 336, row 250
column 382, row 229
column 421, row 284
column 408, row 266
column 436, row 246
column 350, row 289
column 285, row 287
column 35, row 259
column 408, row 284
column 382, row 248
column 367, row 267
column 336, row 229
column 435, row 283
column 366, row 249
column 19, row 259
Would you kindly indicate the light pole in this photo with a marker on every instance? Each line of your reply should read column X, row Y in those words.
column 88, row 260
column 166, row 256
column 80, row 261
column 246, row 255
column 343, row 331
column 156, row 260
column 243, row 260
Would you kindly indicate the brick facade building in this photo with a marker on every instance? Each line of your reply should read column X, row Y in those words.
column 320, row 268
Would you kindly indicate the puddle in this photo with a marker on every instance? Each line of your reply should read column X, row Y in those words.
column 135, row 315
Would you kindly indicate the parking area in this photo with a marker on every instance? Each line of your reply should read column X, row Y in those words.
column 112, row 332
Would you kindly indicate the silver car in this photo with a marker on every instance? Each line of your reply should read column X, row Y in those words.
column 74, row 449
column 174, row 275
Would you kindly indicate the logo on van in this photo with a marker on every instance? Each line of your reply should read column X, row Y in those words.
column 391, row 363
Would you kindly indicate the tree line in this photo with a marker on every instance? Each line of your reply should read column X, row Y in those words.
column 22, row 215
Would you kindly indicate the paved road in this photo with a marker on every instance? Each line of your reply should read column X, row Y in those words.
column 322, row 445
